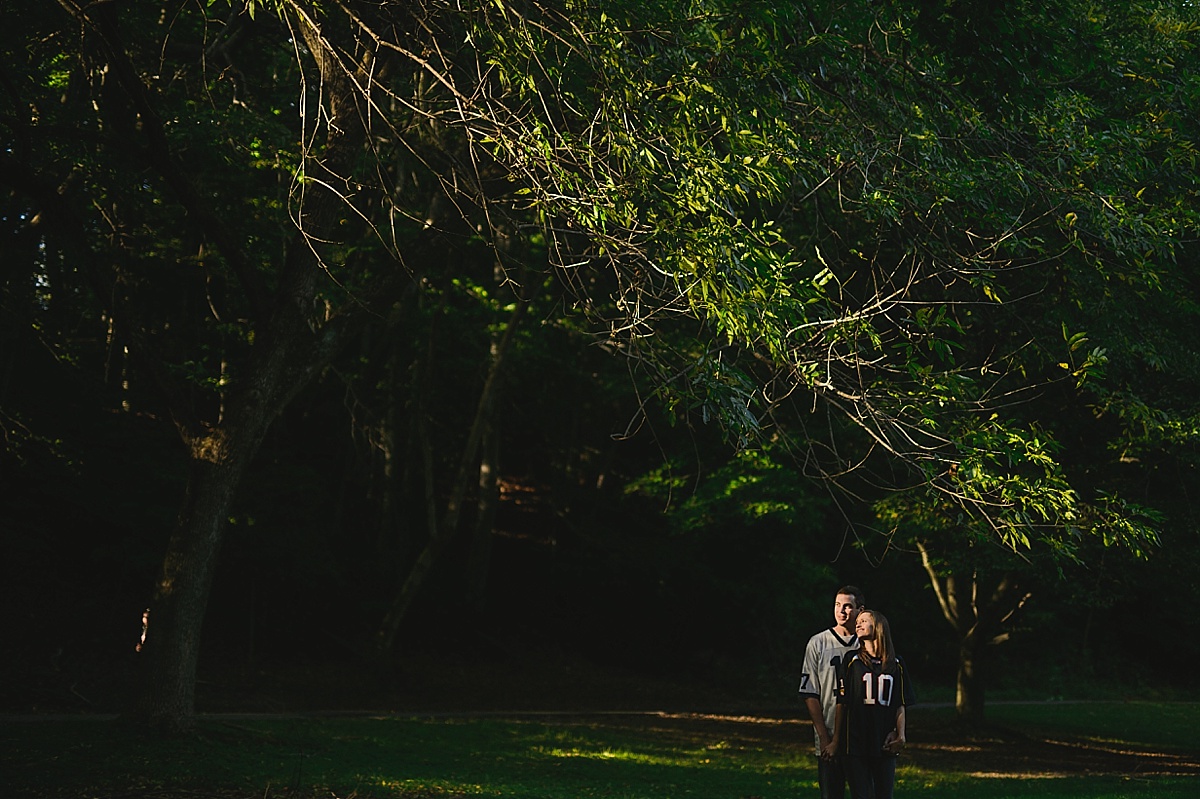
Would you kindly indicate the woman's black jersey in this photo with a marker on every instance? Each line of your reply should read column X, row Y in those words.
column 872, row 695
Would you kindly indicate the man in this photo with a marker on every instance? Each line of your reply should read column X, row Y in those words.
column 818, row 684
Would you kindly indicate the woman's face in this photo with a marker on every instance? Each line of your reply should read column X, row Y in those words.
column 864, row 626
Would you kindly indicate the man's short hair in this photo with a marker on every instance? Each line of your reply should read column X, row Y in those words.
column 853, row 590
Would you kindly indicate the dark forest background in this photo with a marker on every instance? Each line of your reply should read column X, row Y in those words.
column 594, row 595
column 505, row 355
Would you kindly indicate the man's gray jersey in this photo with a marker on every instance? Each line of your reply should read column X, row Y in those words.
column 822, row 657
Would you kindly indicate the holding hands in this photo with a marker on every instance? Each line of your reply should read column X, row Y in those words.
column 894, row 743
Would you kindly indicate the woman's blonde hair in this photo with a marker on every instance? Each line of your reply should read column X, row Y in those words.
column 883, row 637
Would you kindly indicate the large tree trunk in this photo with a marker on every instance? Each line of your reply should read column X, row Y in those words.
column 219, row 461
column 288, row 358
column 291, row 347
column 171, row 643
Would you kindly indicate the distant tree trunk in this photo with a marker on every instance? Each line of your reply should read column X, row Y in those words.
column 487, row 486
column 479, row 560
column 442, row 532
column 978, row 621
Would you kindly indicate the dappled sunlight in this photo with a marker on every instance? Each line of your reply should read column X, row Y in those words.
column 717, row 754
column 425, row 788
column 640, row 758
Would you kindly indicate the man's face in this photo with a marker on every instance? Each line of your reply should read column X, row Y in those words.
column 845, row 611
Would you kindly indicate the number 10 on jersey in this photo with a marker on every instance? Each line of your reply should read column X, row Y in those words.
column 877, row 689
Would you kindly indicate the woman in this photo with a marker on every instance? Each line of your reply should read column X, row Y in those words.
column 873, row 689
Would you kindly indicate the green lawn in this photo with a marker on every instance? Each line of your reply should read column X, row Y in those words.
column 409, row 758
column 1166, row 724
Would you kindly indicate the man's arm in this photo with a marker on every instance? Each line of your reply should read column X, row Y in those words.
column 818, row 719
column 810, row 688
column 829, row 749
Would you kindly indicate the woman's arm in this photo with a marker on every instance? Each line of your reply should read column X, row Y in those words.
column 896, row 738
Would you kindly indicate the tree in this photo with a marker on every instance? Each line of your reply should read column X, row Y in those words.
column 230, row 319
column 1122, row 137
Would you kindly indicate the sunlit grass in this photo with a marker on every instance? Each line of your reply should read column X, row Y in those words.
column 632, row 757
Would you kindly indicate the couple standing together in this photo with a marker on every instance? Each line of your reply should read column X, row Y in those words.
column 856, row 688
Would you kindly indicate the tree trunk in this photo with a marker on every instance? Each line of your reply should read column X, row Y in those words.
column 293, row 339
column 969, row 696
column 978, row 622
column 286, row 362
column 479, row 560
column 172, row 636
column 291, row 347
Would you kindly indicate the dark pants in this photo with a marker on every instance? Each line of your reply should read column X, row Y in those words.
column 832, row 777
column 870, row 777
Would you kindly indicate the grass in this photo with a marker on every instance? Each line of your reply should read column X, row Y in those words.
column 615, row 757
column 1031, row 788
column 1172, row 725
